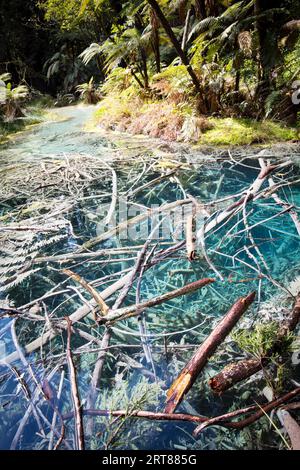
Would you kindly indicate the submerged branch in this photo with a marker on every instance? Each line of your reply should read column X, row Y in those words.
column 242, row 370
column 191, row 371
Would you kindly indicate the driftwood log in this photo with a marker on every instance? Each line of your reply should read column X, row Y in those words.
column 191, row 371
column 241, row 370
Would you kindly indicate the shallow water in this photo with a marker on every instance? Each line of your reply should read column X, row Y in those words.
column 176, row 326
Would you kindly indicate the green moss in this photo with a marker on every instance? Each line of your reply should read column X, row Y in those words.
column 262, row 339
column 124, row 112
column 233, row 131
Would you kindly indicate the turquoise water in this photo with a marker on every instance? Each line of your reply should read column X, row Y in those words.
column 176, row 327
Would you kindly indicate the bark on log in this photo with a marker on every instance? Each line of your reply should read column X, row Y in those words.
column 291, row 426
column 242, row 370
column 191, row 371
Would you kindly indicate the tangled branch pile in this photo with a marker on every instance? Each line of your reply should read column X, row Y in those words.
column 124, row 290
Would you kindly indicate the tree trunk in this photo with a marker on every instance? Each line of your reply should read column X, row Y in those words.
column 200, row 9
column 155, row 39
column 268, row 50
column 145, row 68
column 166, row 25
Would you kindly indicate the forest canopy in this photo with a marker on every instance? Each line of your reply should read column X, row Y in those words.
column 222, row 57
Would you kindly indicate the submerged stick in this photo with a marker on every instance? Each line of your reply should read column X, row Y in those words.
column 134, row 310
column 94, row 293
column 191, row 371
column 134, row 220
column 74, row 392
column 242, row 370
column 262, row 410
column 203, row 421
column 190, row 238
column 107, row 336
column 55, row 414
column 279, row 201
column 142, row 414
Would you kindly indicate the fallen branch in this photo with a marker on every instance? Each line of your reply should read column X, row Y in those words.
column 262, row 410
column 192, row 370
column 94, row 293
column 134, row 220
column 54, row 418
column 190, row 239
column 107, row 336
column 134, row 310
column 141, row 414
column 203, row 421
column 279, row 201
column 242, row 370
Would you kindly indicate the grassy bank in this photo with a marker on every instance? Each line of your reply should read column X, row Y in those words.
column 35, row 113
column 179, row 122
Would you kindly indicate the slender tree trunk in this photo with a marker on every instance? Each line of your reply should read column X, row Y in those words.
column 138, row 81
column 200, row 9
column 212, row 8
column 268, row 50
column 237, row 80
column 167, row 27
column 237, row 64
column 259, row 29
column 155, row 39
column 145, row 68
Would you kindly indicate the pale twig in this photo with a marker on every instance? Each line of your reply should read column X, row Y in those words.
column 79, row 434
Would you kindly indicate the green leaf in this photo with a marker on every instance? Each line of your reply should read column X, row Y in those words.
column 84, row 5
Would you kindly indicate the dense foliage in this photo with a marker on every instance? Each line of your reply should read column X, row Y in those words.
column 223, row 57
